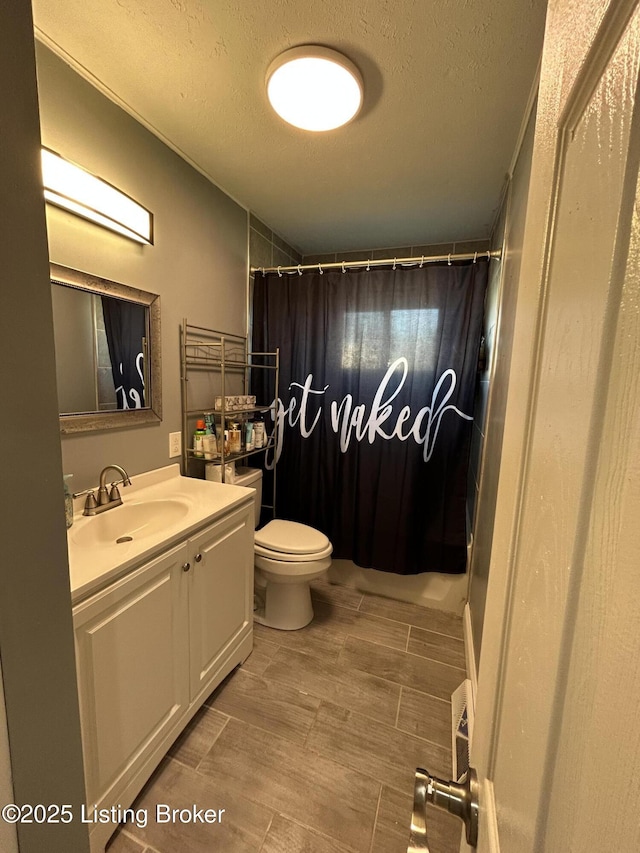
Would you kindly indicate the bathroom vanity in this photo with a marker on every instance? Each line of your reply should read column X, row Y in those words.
column 162, row 590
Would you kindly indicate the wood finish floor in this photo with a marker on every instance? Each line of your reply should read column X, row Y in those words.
column 311, row 745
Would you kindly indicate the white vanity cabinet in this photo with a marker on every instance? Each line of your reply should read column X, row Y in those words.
column 221, row 596
column 132, row 641
column 150, row 648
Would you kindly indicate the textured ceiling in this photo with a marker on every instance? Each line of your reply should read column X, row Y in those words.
column 446, row 87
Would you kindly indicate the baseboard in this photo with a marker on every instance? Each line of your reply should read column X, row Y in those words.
column 472, row 671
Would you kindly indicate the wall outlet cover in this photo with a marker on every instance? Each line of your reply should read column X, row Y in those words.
column 175, row 444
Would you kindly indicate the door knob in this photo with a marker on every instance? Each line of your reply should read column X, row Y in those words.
column 186, row 567
column 458, row 798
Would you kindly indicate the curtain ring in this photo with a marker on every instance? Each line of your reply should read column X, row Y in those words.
column 368, row 266
column 344, row 269
column 475, row 257
column 279, row 273
column 299, row 270
column 449, row 260
column 421, row 261
column 394, row 263
column 320, row 268
column 488, row 255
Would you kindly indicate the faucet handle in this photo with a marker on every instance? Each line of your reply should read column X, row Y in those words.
column 114, row 495
column 90, row 504
column 125, row 481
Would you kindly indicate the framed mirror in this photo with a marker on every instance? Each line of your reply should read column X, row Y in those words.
column 107, row 342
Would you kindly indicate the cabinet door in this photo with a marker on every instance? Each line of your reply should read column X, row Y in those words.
column 131, row 648
column 221, row 599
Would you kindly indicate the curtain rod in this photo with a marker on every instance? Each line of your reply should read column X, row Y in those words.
column 346, row 265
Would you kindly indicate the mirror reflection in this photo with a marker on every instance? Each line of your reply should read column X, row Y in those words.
column 100, row 345
column 107, row 351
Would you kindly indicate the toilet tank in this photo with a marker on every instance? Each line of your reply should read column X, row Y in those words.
column 251, row 478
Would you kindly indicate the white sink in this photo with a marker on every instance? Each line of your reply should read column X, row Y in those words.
column 130, row 521
column 159, row 509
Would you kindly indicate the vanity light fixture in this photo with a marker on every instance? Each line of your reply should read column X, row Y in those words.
column 78, row 191
column 314, row 88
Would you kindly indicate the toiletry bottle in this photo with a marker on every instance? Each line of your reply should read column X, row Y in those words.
column 210, row 423
column 210, row 441
column 198, row 449
column 258, row 431
column 248, row 435
column 68, row 501
column 235, row 445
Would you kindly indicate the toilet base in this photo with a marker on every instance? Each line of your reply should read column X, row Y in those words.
column 286, row 607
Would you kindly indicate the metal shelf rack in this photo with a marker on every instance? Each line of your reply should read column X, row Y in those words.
column 220, row 363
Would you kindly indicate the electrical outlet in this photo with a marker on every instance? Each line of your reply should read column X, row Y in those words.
column 175, row 444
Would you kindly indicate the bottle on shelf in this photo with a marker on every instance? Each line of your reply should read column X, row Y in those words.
column 209, row 440
column 258, row 431
column 198, row 444
column 248, row 435
column 235, row 441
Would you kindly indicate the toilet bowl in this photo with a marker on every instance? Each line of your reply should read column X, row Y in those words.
column 288, row 556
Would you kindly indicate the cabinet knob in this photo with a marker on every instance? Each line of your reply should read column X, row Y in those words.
column 186, row 567
column 198, row 558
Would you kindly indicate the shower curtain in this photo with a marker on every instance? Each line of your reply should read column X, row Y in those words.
column 125, row 327
column 375, row 409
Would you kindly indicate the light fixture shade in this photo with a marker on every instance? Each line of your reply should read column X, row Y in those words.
column 78, row 191
column 314, row 88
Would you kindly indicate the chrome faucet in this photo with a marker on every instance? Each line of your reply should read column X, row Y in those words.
column 107, row 499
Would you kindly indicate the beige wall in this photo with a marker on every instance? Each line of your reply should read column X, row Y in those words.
column 36, row 637
column 500, row 314
column 198, row 264
column 489, row 328
column 267, row 249
column 401, row 252
column 8, row 834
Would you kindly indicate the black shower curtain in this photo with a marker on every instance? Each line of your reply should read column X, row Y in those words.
column 125, row 327
column 377, row 381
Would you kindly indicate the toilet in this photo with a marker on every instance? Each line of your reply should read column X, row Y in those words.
column 288, row 556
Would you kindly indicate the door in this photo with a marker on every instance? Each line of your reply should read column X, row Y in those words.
column 556, row 739
column 221, row 594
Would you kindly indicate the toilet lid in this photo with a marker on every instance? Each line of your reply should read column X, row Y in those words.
column 290, row 537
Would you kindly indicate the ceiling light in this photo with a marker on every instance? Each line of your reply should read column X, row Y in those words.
column 314, row 88
column 76, row 190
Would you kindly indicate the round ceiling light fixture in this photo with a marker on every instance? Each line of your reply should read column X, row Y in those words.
column 314, row 88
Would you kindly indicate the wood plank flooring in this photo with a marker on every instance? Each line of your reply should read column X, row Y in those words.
column 311, row 745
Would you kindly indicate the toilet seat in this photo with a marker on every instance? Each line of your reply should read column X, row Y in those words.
column 291, row 542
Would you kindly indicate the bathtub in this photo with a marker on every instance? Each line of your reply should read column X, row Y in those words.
column 431, row 589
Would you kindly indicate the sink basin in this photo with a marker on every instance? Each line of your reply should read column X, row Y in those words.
column 129, row 522
column 160, row 509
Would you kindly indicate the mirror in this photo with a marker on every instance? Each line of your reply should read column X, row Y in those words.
column 107, row 342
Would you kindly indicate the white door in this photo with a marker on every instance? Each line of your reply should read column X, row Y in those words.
column 557, row 740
